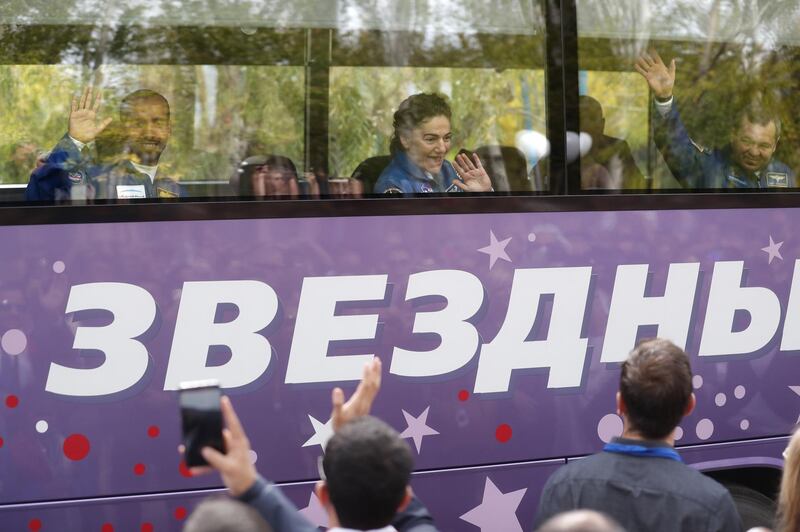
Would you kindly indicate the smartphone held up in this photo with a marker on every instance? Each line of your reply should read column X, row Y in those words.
column 201, row 419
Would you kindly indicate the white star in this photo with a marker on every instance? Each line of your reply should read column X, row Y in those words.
column 496, row 249
column 417, row 428
column 773, row 250
column 796, row 389
column 322, row 432
column 315, row 512
column 497, row 510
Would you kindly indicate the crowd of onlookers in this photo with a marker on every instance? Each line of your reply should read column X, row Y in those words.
column 638, row 482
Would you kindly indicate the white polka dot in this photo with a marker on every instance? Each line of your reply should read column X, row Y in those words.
column 697, row 382
column 739, row 392
column 704, row 429
column 59, row 266
column 14, row 342
column 253, row 456
column 609, row 427
column 531, row 237
column 41, row 426
column 745, row 424
column 720, row 399
column 678, row 433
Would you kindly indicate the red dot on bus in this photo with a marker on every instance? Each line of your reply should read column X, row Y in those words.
column 147, row 527
column 153, row 431
column 1, row 442
column 12, row 401
column 180, row 513
column 463, row 395
column 107, row 527
column 184, row 470
column 139, row 469
column 76, row 447
column 503, row 433
column 34, row 525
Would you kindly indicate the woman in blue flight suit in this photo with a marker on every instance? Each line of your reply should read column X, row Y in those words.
column 421, row 139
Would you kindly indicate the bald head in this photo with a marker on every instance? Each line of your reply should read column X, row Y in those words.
column 580, row 521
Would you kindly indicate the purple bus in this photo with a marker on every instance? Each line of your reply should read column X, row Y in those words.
column 501, row 318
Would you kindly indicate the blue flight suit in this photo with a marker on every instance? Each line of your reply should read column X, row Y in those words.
column 67, row 166
column 698, row 167
column 402, row 176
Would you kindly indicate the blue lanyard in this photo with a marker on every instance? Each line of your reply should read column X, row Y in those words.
column 641, row 450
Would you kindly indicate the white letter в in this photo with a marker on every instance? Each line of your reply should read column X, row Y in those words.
column 195, row 332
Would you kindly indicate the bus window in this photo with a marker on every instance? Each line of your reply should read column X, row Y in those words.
column 718, row 118
column 261, row 99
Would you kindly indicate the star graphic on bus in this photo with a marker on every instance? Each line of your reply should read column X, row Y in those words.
column 496, row 249
column 773, row 250
column 497, row 510
column 322, row 432
column 315, row 512
column 796, row 389
column 417, row 428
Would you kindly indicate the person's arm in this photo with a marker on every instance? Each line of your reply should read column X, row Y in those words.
column 270, row 502
column 680, row 152
column 243, row 481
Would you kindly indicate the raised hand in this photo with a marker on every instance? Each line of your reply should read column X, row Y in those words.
column 84, row 122
column 360, row 402
column 473, row 176
column 660, row 78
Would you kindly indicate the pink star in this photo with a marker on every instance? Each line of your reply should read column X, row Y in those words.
column 773, row 250
column 315, row 512
column 496, row 249
column 417, row 428
column 497, row 510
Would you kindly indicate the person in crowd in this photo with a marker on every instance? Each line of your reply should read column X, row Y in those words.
column 506, row 166
column 639, row 478
column 421, row 140
column 22, row 160
column 132, row 172
column 747, row 161
column 223, row 514
column 580, row 521
column 268, row 176
column 365, row 471
column 789, row 498
column 610, row 153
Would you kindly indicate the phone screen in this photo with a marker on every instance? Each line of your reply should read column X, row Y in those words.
column 201, row 420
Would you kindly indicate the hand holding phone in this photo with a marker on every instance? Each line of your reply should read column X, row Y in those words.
column 201, row 419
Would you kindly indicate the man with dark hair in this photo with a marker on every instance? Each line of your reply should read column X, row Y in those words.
column 745, row 162
column 639, row 479
column 610, row 153
column 365, row 471
column 94, row 160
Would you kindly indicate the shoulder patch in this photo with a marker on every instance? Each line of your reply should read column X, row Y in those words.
column 392, row 190
column 777, row 179
column 164, row 193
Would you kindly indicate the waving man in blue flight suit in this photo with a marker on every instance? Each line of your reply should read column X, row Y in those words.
column 745, row 162
column 77, row 168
